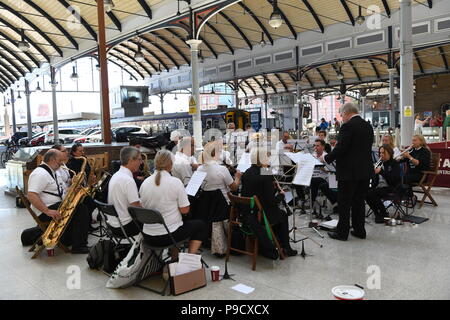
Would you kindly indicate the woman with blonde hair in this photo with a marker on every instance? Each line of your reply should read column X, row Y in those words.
column 389, row 140
column 418, row 159
column 166, row 194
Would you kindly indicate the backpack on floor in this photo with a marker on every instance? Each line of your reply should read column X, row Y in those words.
column 96, row 254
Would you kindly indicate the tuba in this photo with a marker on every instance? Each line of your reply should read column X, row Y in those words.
column 74, row 196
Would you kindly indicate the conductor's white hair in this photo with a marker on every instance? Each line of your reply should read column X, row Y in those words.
column 349, row 108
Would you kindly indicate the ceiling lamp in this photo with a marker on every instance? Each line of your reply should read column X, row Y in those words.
column 139, row 56
column 19, row 96
column 360, row 19
column 22, row 44
column 212, row 90
column 109, row 5
column 201, row 59
column 265, row 85
column 158, row 72
column 74, row 76
column 340, row 76
column 434, row 85
column 263, row 41
column 38, row 88
column 176, row 98
column 276, row 20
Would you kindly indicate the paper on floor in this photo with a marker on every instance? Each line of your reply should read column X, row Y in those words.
column 243, row 288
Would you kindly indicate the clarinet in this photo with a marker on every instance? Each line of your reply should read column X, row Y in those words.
column 283, row 199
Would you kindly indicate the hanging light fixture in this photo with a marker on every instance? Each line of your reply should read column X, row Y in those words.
column 435, row 84
column 38, row 88
column 22, row 44
column 212, row 90
column 139, row 56
column 360, row 19
column 276, row 20
column 201, row 59
column 74, row 76
column 265, row 85
column 178, row 12
column 109, row 5
column 263, row 41
column 18, row 96
column 158, row 72
column 176, row 98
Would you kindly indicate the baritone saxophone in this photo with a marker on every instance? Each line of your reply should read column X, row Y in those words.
column 75, row 195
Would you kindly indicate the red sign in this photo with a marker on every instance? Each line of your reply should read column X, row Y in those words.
column 443, row 179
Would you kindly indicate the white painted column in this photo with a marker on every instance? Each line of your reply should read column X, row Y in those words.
column 27, row 95
column 406, row 73
column 392, row 73
column 196, row 118
column 53, row 84
column 13, row 110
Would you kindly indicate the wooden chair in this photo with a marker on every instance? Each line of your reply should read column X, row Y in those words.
column 37, row 247
column 234, row 221
column 428, row 179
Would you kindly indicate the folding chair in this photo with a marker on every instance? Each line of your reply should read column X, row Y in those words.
column 37, row 247
column 108, row 210
column 234, row 221
column 147, row 216
column 428, row 179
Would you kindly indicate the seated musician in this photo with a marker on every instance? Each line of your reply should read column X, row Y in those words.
column 77, row 151
column 167, row 195
column 123, row 192
column 64, row 173
column 386, row 181
column 223, row 155
column 258, row 180
column 46, row 193
column 139, row 175
column 322, row 135
column 332, row 139
column 185, row 164
column 418, row 159
column 175, row 137
column 389, row 140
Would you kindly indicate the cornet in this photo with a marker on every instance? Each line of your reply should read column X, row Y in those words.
column 408, row 150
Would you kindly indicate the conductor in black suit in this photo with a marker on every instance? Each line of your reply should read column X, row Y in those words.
column 354, row 169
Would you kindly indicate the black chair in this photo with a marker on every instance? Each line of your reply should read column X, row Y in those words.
column 148, row 216
column 108, row 210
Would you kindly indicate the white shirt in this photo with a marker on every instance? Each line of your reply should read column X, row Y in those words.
column 318, row 172
column 182, row 167
column 63, row 176
column 39, row 181
column 284, row 160
column 166, row 198
column 217, row 177
column 122, row 192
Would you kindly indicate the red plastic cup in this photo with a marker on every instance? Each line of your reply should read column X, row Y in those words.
column 51, row 252
column 215, row 272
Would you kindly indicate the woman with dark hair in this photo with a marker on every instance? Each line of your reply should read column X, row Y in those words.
column 258, row 181
column 386, row 180
column 77, row 151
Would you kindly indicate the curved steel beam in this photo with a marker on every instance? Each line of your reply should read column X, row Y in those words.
column 349, row 13
column 314, row 14
column 355, row 70
column 10, row 71
column 173, row 46
column 34, row 27
column 126, row 62
column 235, row 26
column 286, row 20
column 146, row 8
column 122, row 67
column 38, row 48
column 164, row 51
column 386, row 8
column 259, row 84
column 242, row 89
column 53, row 21
column 85, row 24
column 160, row 61
column 325, row 80
column 258, row 22
column 115, row 20
column 419, row 62
column 444, row 57
column 250, row 86
column 12, row 63
column 155, row 68
column 199, row 37
column 270, row 83
column 282, row 82
column 6, row 80
column 374, row 67
column 131, row 57
column 224, row 40
column 14, row 43
column 309, row 80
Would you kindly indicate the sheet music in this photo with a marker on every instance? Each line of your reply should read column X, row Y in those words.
column 301, row 144
column 298, row 157
column 304, row 172
column 195, row 183
column 187, row 263
column 288, row 196
column 244, row 163
column 332, row 182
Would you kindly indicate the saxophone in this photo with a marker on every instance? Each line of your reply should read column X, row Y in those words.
column 74, row 196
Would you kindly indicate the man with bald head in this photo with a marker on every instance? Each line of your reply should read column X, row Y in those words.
column 46, row 193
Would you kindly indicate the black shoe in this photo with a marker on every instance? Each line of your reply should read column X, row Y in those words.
column 336, row 210
column 357, row 235
column 328, row 218
column 81, row 250
column 337, row 236
column 289, row 252
column 379, row 220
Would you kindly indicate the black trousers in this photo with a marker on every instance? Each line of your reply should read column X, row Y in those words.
column 331, row 195
column 413, row 177
column 191, row 229
column 131, row 229
column 76, row 233
column 351, row 196
column 375, row 202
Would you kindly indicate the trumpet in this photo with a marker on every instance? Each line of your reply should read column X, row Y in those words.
column 379, row 162
column 408, row 150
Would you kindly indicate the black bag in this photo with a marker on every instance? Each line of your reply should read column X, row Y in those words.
column 30, row 235
column 96, row 255
column 113, row 254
